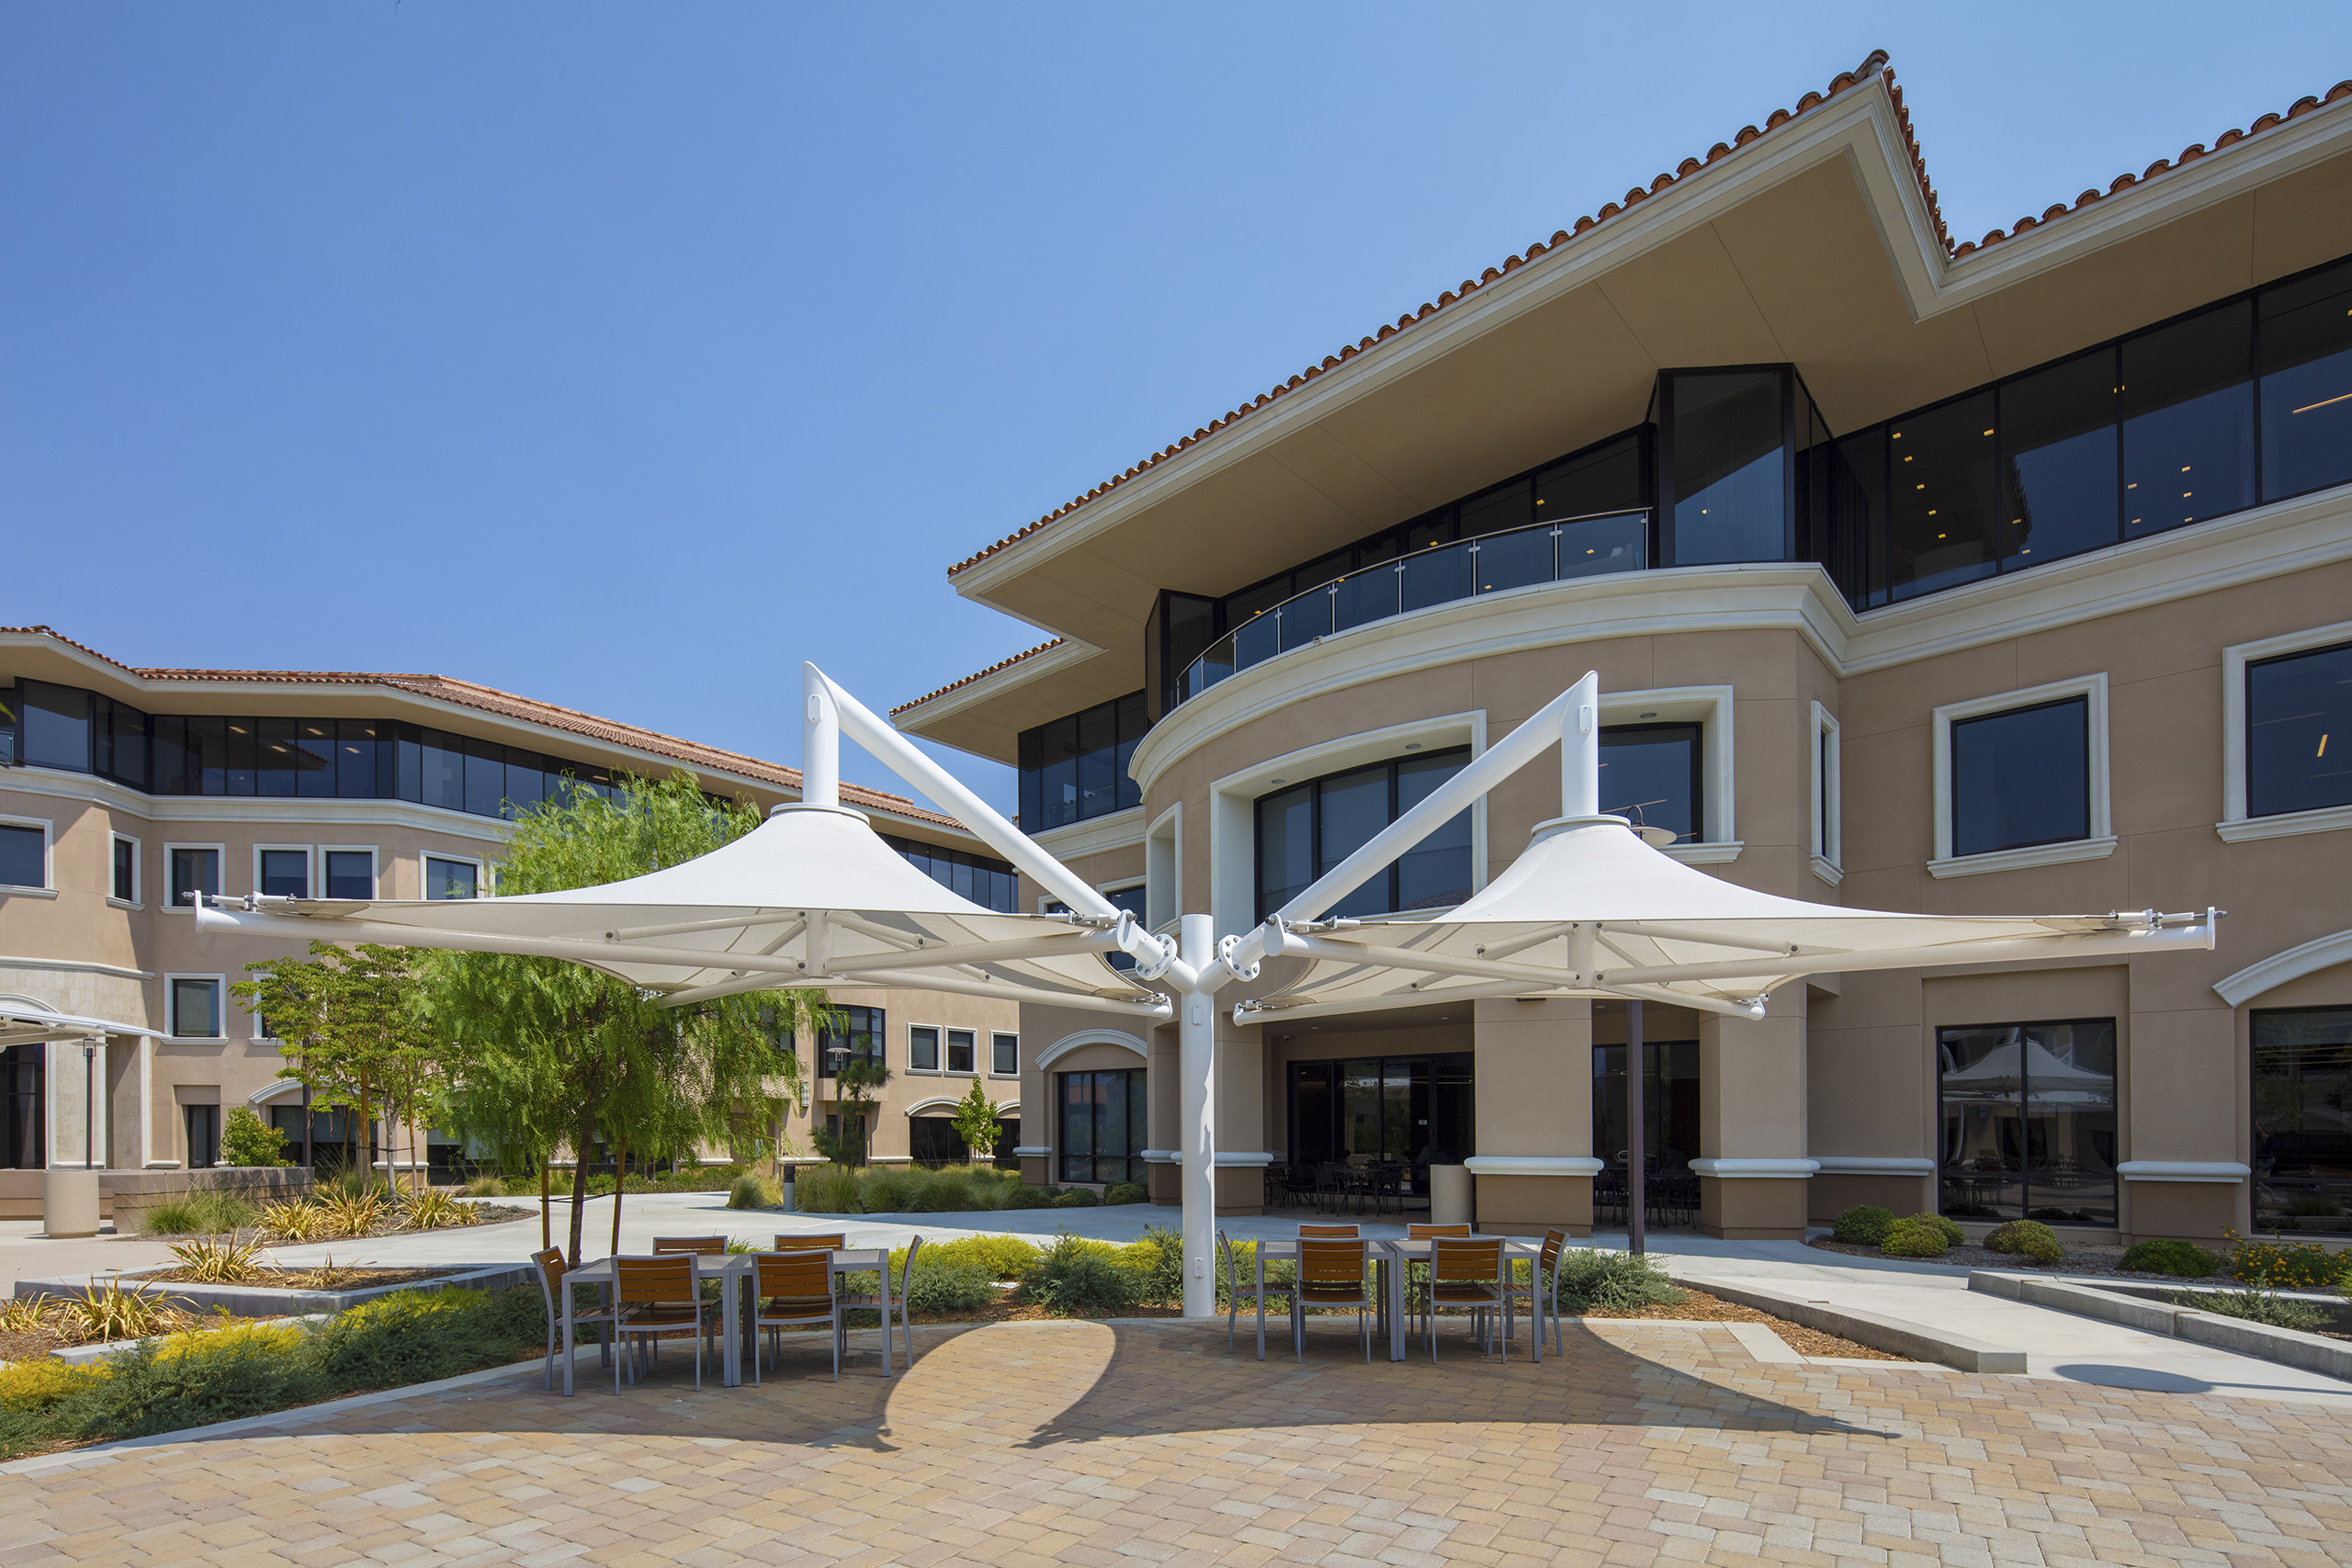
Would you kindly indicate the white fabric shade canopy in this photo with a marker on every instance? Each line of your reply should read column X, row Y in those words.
column 22, row 1025
column 812, row 897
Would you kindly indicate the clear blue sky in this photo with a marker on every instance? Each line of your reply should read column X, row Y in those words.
column 623, row 356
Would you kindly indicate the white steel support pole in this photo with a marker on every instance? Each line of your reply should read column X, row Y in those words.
column 821, row 740
column 1580, row 748
column 1196, row 1076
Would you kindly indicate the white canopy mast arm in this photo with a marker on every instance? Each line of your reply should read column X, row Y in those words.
column 831, row 713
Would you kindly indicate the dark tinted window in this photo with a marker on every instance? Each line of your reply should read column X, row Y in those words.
column 276, row 768
column 1606, row 479
column 1726, row 438
column 2028, row 1121
column 286, row 873
column 1078, row 766
column 24, row 857
column 126, row 870
column 1649, row 772
column 485, row 776
column 53, row 726
column 195, row 1014
column 450, row 878
column 2188, row 406
column 2058, row 437
column 1306, row 829
column 119, row 741
column 1104, row 1125
column 193, row 871
column 445, row 771
column 860, row 1034
column 2299, row 732
column 314, row 760
column 2302, row 1134
column 959, row 1051
column 990, row 883
column 2021, row 778
column 2306, row 334
column 1941, row 499
column 351, row 874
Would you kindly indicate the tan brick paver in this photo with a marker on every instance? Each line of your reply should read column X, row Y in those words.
column 1140, row 1444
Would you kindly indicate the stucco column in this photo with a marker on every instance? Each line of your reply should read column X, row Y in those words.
column 1534, row 1092
column 1753, row 1165
column 1241, row 1135
column 1163, row 1172
column 2186, row 1111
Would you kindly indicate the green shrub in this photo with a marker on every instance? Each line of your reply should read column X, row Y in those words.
column 1593, row 1281
column 1002, row 1256
column 1864, row 1224
column 2028, row 1239
column 826, row 1189
column 1075, row 1277
column 948, row 1286
column 206, row 1211
column 2255, row 1305
column 1025, row 1197
column 884, row 1190
column 752, row 1190
column 193, row 1380
column 947, row 1192
column 1076, row 1198
column 1158, row 1263
column 2284, row 1266
column 2183, row 1259
column 1951, row 1233
column 1126, row 1192
column 247, row 1140
column 496, row 1187
column 1914, row 1237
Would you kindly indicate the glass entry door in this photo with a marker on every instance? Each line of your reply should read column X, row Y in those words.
column 1396, row 1113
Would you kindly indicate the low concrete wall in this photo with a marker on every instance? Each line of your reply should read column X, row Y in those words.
column 2288, row 1346
column 1873, row 1329
column 125, row 1195
column 259, row 1301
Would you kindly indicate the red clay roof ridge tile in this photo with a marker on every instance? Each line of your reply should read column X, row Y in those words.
column 1875, row 65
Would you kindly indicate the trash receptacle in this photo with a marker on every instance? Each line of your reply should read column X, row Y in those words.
column 786, row 1183
column 1449, row 1194
column 69, row 1202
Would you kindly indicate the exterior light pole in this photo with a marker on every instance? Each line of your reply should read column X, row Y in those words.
column 89, row 1105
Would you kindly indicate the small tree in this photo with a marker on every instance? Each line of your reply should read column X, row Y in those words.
column 853, row 1088
column 247, row 1140
column 975, row 1121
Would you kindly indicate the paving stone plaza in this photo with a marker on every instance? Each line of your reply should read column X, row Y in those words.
column 1091, row 1443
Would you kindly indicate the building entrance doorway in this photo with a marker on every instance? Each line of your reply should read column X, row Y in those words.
column 1368, row 1128
column 24, row 1134
column 1669, row 1133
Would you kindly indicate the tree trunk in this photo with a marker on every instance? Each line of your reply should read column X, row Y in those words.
column 546, row 1197
column 368, row 1121
column 580, row 1182
column 620, row 1179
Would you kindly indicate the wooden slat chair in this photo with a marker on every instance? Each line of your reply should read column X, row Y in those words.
column 1542, row 1289
column 701, row 1246
column 1431, row 1232
column 795, row 1289
column 656, row 1296
column 830, row 1241
column 551, row 1271
column 1332, row 1273
column 1331, row 1232
column 1468, row 1275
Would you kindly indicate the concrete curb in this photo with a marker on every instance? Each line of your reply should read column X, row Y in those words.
column 256, row 1301
column 2288, row 1346
column 1873, row 1329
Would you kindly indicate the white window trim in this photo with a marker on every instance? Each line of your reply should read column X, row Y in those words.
column 2097, row 845
column 309, row 862
column 2235, row 825
column 1710, row 707
column 374, row 867
column 138, row 872
column 425, row 870
column 1233, row 827
column 939, row 1046
column 1163, row 869
column 1014, row 1035
column 1828, row 799
column 221, row 871
column 220, row 1005
column 947, row 1072
column 48, row 856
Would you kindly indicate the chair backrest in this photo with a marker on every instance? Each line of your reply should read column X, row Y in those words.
column 706, row 1246
column 907, row 1272
column 829, row 1241
column 1479, row 1260
column 1330, row 1262
column 639, row 1280
column 1553, row 1242
column 801, row 1274
column 1232, row 1264
column 1426, row 1233
column 1340, row 1232
column 549, row 1263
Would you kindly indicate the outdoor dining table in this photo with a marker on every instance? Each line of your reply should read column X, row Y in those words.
column 738, row 1274
column 1388, row 1259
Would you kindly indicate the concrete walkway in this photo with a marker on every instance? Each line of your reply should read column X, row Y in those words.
column 2059, row 1345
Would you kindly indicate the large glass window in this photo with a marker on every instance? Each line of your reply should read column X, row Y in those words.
column 2058, row 441
column 286, row 873
column 2021, row 777
column 24, row 856
column 1078, row 767
column 195, row 1007
column 1650, row 774
column 126, row 870
column 451, row 878
column 351, row 874
column 2303, row 1119
column 23, row 1137
column 53, row 726
column 195, row 872
column 2298, row 731
column 1725, row 436
column 1669, row 1104
column 859, row 1033
column 2188, row 406
column 990, row 883
column 923, row 1048
column 1104, row 1125
column 203, row 1135
column 1004, row 1055
column 1307, row 828
column 961, row 1049
column 2306, row 341
column 1402, row 1114
column 2028, row 1121
column 1942, row 498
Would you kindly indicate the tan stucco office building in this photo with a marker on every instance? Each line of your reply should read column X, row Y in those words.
column 125, row 789
column 2008, row 576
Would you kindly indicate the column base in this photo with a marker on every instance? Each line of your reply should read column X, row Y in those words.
column 1530, row 1205
column 1835, row 1192
column 2192, row 1211
column 1753, row 1209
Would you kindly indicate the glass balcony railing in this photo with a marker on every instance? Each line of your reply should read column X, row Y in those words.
column 1518, row 557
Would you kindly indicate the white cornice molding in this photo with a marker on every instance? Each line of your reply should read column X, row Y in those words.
column 1873, row 1165
column 2286, row 825
column 1859, row 127
column 2269, row 974
column 1119, row 830
column 2213, row 1171
column 1532, row 1165
column 1084, row 1037
column 255, row 809
column 1757, row 1170
column 75, row 966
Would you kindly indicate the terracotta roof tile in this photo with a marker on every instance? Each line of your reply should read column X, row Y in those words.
column 977, row 674
column 1873, row 67
column 506, row 705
